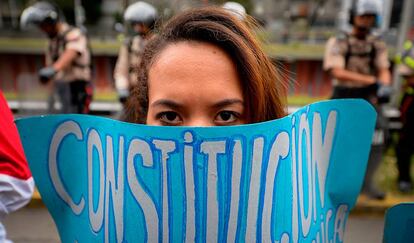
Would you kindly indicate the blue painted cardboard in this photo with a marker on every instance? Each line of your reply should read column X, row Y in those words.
column 293, row 179
column 399, row 224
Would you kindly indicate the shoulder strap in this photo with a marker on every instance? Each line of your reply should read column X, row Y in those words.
column 348, row 49
column 373, row 55
column 54, row 51
column 129, row 48
column 129, row 44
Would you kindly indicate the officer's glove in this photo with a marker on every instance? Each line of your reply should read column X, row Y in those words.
column 123, row 95
column 384, row 93
column 46, row 74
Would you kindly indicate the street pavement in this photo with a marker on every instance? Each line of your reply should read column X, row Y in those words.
column 31, row 225
column 34, row 225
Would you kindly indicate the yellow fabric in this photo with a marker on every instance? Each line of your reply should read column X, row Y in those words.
column 409, row 61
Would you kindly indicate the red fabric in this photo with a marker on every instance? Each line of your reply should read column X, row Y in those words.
column 12, row 159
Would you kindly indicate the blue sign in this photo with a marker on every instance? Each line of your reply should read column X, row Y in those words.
column 293, row 179
column 399, row 224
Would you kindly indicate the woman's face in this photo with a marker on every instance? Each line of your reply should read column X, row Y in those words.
column 194, row 84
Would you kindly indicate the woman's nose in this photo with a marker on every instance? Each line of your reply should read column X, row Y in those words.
column 200, row 122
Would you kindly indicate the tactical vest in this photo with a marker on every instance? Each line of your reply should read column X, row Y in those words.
column 359, row 56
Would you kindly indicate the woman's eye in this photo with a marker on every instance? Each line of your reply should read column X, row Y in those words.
column 169, row 118
column 227, row 117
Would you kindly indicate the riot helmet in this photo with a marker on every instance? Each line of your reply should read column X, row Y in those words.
column 141, row 13
column 39, row 13
column 364, row 17
column 235, row 8
column 365, row 7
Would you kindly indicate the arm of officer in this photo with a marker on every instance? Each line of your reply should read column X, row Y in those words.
column 343, row 75
column 383, row 64
column 76, row 43
column 384, row 76
column 67, row 57
column 121, row 72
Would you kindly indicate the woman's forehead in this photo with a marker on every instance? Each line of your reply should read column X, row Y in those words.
column 191, row 58
column 189, row 50
column 192, row 68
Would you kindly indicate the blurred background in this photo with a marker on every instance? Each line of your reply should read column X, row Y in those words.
column 295, row 32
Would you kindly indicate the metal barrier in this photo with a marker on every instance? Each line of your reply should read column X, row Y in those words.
column 40, row 107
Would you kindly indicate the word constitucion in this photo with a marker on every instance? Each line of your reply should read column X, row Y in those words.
column 241, row 188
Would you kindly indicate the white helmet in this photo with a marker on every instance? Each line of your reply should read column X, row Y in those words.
column 38, row 13
column 141, row 12
column 368, row 7
column 236, row 9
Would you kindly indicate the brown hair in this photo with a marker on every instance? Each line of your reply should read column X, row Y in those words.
column 263, row 90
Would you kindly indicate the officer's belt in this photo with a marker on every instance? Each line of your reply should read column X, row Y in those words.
column 364, row 92
column 79, row 65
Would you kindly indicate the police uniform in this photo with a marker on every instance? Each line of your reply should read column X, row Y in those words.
column 129, row 58
column 405, row 147
column 141, row 18
column 361, row 56
column 72, row 84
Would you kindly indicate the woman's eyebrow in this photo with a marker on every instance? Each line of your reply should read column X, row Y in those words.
column 227, row 102
column 167, row 103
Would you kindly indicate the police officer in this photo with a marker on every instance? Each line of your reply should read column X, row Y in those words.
column 68, row 58
column 140, row 17
column 358, row 63
column 405, row 147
